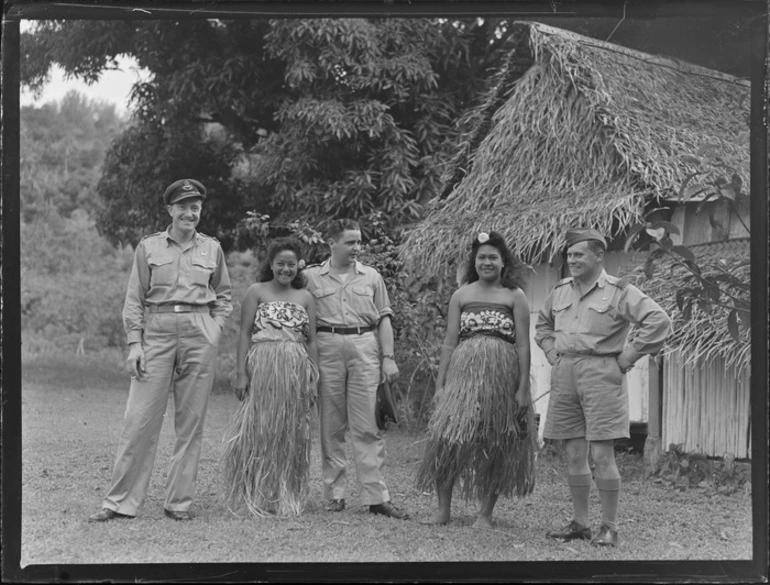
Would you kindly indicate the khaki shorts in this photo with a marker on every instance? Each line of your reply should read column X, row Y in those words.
column 587, row 399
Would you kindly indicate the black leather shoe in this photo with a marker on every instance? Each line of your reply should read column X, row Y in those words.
column 336, row 505
column 105, row 514
column 388, row 509
column 607, row 537
column 180, row 515
column 572, row 531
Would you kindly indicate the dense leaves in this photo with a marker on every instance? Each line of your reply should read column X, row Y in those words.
column 300, row 120
column 62, row 148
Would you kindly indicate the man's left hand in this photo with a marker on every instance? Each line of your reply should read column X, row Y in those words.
column 624, row 364
column 389, row 369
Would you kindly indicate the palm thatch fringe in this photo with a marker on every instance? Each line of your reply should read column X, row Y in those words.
column 705, row 335
column 576, row 132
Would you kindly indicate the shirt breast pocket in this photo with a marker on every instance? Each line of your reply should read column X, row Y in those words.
column 324, row 302
column 600, row 317
column 560, row 315
column 202, row 269
column 162, row 271
column 366, row 292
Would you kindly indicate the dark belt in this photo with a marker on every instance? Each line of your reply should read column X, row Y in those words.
column 179, row 308
column 597, row 355
column 346, row 330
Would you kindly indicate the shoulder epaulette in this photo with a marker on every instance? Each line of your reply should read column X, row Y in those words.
column 151, row 236
column 564, row 281
column 208, row 237
column 311, row 266
column 621, row 282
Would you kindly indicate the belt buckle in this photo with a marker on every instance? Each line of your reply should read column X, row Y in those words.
column 178, row 308
column 358, row 331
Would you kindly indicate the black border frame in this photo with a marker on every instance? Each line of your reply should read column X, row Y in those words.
column 755, row 570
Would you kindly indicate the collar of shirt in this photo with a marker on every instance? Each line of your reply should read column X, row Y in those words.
column 601, row 282
column 194, row 240
column 326, row 267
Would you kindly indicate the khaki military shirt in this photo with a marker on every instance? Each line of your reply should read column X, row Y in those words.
column 598, row 322
column 166, row 272
column 360, row 300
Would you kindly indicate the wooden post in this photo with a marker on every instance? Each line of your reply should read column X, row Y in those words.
column 652, row 444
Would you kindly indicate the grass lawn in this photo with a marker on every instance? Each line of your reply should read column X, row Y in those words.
column 72, row 411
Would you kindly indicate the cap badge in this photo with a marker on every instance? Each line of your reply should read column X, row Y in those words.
column 187, row 186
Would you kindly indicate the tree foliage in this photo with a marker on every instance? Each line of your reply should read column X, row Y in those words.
column 296, row 119
column 61, row 153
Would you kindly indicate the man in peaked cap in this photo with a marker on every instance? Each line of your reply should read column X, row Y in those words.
column 583, row 330
column 177, row 302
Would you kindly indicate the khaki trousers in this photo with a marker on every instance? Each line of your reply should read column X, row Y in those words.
column 350, row 373
column 180, row 352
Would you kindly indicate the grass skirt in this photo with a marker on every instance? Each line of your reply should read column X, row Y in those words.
column 267, row 446
column 477, row 433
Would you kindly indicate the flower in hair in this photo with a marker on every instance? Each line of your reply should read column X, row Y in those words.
column 301, row 264
column 483, row 237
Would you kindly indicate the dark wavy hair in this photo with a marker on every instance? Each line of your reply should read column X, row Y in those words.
column 337, row 226
column 514, row 270
column 276, row 246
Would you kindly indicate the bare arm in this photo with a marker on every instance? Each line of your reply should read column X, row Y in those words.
column 521, row 320
column 385, row 334
column 312, row 345
column 451, row 338
column 248, row 312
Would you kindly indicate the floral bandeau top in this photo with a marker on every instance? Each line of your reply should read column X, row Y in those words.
column 487, row 318
column 280, row 321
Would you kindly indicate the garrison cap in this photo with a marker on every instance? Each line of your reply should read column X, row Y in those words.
column 183, row 189
column 576, row 236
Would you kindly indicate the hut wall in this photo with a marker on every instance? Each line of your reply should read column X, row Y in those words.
column 714, row 223
column 545, row 277
column 706, row 409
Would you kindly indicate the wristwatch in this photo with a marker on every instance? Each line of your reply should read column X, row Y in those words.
column 388, row 355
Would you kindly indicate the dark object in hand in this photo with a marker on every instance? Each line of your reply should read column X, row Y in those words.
column 385, row 408
column 521, row 419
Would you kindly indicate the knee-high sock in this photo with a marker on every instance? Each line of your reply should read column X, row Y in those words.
column 580, row 488
column 609, row 493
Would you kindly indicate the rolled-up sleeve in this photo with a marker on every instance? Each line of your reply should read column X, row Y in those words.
column 133, row 306
column 653, row 324
column 381, row 300
column 220, row 283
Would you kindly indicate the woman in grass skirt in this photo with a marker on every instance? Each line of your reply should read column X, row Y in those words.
column 267, row 447
column 482, row 430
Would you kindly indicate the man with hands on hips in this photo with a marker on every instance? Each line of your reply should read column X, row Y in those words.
column 583, row 329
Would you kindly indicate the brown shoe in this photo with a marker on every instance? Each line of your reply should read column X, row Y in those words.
column 178, row 515
column 105, row 514
column 388, row 509
column 607, row 537
column 336, row 505
column 572, row 531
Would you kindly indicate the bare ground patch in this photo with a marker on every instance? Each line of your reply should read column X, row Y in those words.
column 72, row 419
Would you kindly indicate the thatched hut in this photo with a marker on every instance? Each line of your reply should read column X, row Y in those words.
column 579, row 132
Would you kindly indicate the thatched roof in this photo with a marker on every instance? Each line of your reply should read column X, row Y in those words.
column 704, row 335
column 576, row 133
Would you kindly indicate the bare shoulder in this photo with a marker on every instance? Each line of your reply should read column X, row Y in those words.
column 253, row 291
column 518, row 295
column 463, row 294
column 305, row 296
